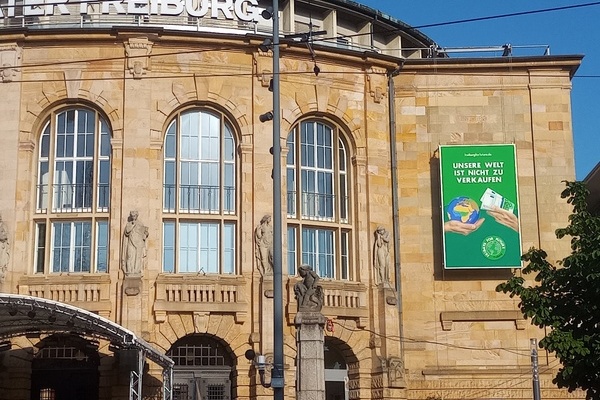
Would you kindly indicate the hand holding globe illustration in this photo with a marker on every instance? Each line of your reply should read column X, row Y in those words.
column 463, row 216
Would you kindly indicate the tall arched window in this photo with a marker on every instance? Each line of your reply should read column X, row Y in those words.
column 199, row 198
column 319, row 229
column 73, row 192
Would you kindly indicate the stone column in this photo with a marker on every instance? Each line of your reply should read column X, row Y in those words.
column 310, row 369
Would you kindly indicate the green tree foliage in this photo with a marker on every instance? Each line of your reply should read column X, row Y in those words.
column 566, row 300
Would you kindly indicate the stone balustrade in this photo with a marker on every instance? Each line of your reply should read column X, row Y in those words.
column 200, row 293
column 90, row 292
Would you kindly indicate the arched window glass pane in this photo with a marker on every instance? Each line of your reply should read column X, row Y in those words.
column 199, row 179
column 74, row 171
column 317, row 178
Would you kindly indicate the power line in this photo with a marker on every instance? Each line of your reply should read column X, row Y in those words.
column 119, row 75
column 411, row 340
column 520, row 377
column 396, row 30
column 320, row 39
column 468, row 20
column 314, row 40
column 515, row 14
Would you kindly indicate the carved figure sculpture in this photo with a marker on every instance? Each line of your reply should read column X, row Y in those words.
column 382, row 256
column 134, row 245
column 308, row 294
column 263, row 245
column 4, row 250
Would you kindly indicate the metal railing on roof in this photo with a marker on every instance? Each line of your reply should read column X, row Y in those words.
column 505, row 50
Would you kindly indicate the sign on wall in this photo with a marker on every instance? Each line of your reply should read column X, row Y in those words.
column 480, row 206
column 244, row 10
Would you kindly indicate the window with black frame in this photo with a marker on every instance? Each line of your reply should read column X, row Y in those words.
column 73, row 192
column 199, row 195
column 319, row 227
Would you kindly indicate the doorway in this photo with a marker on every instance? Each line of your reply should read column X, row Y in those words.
column 203, row 369
column 65, row 368
column 336, row 372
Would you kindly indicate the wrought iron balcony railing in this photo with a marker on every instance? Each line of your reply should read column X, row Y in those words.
column 199, row 199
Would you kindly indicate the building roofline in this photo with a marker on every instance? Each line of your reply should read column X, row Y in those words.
column 593, row 174
column 571, row 62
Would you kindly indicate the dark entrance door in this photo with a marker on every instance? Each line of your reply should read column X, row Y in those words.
column 65, row 368
column 64, row 384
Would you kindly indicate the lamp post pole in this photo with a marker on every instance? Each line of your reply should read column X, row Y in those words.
column 535, row 369
column 277, row 380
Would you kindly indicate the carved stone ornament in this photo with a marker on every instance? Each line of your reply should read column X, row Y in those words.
column 10, row 61
column 134, row 245
column 396, row 372
column 4, row 250
column 374, row 341
column 138, row 51
column 308, row 293
column 381, row 256
column 263, row 246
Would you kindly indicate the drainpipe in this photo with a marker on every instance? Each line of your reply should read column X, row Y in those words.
column 395, row 200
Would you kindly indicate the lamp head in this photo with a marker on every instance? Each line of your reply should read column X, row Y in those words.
column 250, row 354
column 316, row 70
column 267, row 13
column 268, row 116
column 265, row 45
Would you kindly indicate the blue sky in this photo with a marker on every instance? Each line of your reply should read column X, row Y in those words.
column 567, row 32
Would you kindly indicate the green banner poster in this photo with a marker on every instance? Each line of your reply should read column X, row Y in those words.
column 480, row 205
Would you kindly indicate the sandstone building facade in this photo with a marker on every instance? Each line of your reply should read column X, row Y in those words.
column 136, row 185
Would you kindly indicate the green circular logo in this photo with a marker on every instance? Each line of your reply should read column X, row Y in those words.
column 493, row 248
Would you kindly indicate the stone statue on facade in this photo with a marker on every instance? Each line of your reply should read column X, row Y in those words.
column 381, row 257
column 308, row 293
column 4, row 250
column 134, row 245
column 263, row 245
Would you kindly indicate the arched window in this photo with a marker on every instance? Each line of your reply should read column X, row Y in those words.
column 73, row 192
column 319, row 229
column 199, row 197
column 203, row 369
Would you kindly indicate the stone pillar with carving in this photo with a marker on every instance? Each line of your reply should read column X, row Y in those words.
column 310, row 358
column 133, row 252
column 133, row 258
column 310, row 339
column 388, row 372
column 263, row 254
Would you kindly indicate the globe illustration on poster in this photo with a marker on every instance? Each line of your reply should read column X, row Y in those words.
column 463, row 209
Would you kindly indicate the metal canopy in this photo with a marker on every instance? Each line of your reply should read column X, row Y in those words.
column 21, row 315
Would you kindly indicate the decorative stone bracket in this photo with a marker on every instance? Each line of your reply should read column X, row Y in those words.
column 448, row 317
column 265, row 77
column 137, row 51
column 376, row 91
column 10, row 61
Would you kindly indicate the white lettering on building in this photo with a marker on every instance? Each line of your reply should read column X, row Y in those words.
column 244, row 10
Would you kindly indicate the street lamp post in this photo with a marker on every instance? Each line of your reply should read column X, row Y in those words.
column 277, row 378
